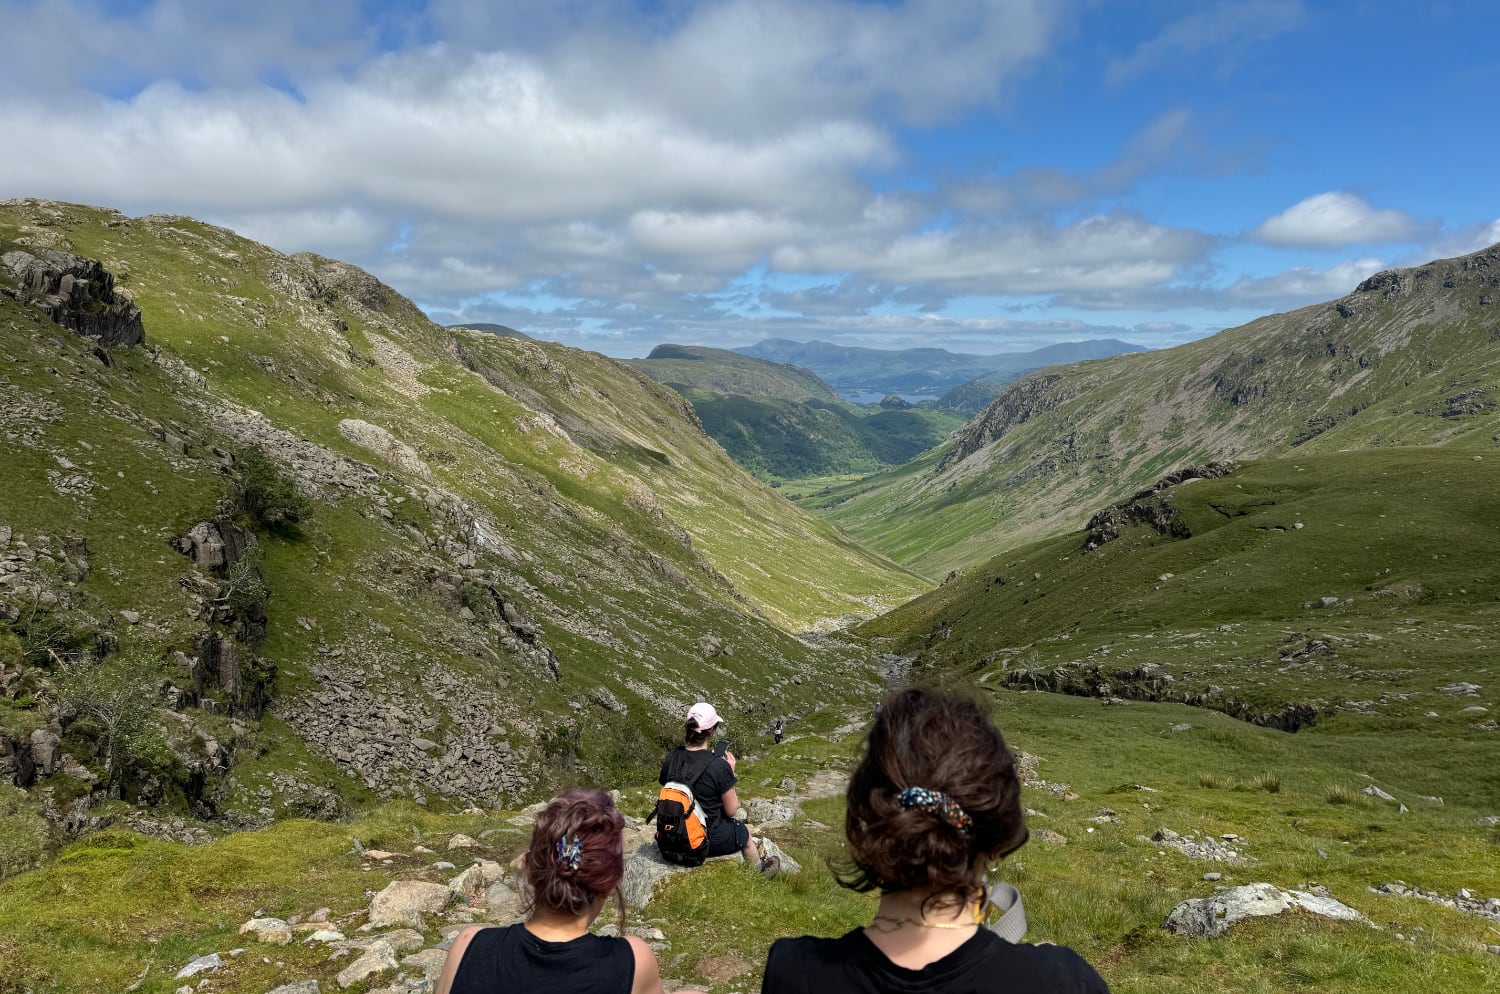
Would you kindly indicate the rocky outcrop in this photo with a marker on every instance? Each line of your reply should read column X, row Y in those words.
column 1211, row 916
column 1149, row 507
column 1150, row 682
column 1019, row 403
column 77, row 293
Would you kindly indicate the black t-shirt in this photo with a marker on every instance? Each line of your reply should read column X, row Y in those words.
column 986, row 964
column 512, row 959
column 708, row 788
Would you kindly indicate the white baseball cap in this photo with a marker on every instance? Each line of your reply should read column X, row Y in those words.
column 703, row 716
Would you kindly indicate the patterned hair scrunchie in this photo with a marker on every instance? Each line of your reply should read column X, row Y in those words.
column 569, row 852
column 936, row 803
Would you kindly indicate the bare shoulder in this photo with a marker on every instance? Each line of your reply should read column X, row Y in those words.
column 647, row 978
column 461, row 941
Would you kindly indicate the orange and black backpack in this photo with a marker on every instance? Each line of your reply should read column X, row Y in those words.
column 681, row 826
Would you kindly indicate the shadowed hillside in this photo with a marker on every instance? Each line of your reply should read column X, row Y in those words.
column 783, row 422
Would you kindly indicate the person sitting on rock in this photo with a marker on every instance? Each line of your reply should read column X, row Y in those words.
column 714, row 788
column 934, row 800
column 574, row 863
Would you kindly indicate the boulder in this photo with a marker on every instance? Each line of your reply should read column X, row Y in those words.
column 504, row 903
column 203, row 964
column 760, row 810
column 300, row 987
column 378, row 957
column 769, row 848
column 1210, row 916
column 403, row 902
column 272, row 930
column 46, row 752
column 461, row 842
column 429, row 961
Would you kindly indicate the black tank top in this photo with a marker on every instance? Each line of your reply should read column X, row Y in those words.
column 986, row 964
column 511, row 959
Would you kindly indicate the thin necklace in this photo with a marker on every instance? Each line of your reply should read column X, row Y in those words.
column 892, row 923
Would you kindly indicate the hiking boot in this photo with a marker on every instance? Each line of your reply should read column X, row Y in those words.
column 770, row 866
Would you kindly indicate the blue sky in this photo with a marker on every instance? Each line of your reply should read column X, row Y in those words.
column 982, row 176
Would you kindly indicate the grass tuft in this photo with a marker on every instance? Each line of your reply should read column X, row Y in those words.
column 1339, row 794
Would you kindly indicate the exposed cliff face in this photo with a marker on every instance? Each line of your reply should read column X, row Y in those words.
column 1016, row 405
column 77, row 293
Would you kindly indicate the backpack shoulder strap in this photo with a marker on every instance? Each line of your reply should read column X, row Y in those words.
column 689, row 769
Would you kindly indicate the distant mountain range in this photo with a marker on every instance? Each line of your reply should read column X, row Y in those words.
column 864, row 373
column 1411, row 357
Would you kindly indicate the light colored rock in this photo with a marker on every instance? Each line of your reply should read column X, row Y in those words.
column 402, row 940
column 760, row 810
column 403, row 902
column 429, row 961
column 300, row 987
column 469, row 885
column 325, row 935
column 769, row 848
column 1375, row 791
column 644, row 869
column 1210, row 916
column 131, row 617
column 202, row 964
column 379, row 957
column 461, row 842
column 272, row 930
column 504, row 903
column 382, row 854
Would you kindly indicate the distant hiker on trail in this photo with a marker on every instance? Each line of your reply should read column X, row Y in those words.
column 697, row 807
column 932, row 803
column 572, row 866
column 777, row 730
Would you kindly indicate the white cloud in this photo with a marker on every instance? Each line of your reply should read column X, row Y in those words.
column 1304, row 285
column 328, row 231
column 1101, row 252
column 1228, row 27
column 1462, row 241
column 1334, row 220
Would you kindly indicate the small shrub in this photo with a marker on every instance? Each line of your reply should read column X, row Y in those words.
column 1339, row 794
column 244, row 588
column 1268, row 782
column 1213, row 781
column 49, row 640
column 266, row 494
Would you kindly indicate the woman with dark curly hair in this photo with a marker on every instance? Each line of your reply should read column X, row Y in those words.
column 573, row 865
column 934, row 801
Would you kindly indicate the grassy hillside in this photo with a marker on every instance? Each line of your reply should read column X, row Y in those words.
column 513, row 560
column 117, row 904
column 1347, row 590
column 1412, row 357
column 784, row 423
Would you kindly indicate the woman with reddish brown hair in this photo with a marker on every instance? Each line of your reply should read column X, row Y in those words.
column 933, row 802
column 572, row 867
